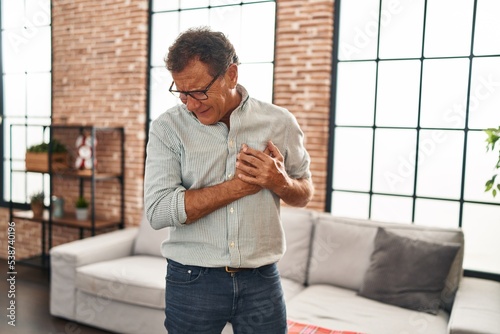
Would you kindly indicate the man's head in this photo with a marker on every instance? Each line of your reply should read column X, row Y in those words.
column 204, row 66
column 210, row 47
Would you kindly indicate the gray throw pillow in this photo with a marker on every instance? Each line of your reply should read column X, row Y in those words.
column 407, row 272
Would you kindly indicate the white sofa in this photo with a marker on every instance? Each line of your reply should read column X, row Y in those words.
column 116, row 281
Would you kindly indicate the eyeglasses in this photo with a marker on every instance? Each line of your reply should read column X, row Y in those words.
column 199, row 95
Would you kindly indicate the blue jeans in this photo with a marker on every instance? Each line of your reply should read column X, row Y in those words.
column 202, row 300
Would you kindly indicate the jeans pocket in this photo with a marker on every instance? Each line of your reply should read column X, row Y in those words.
column 180, row 274
column 269, row 271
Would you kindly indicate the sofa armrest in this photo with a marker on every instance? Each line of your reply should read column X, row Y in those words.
column 476, row 308
column 66, row 258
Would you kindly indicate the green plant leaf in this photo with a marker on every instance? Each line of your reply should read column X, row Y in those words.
column 488, row 185
column 57, row 147
column 492, row 137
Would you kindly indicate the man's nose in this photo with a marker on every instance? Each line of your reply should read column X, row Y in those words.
column 192, row 103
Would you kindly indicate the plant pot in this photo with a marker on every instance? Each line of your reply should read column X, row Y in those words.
column 39, row 162
column 37, row 209
column 82, row 213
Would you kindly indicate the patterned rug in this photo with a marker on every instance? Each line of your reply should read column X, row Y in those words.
column 299, row 328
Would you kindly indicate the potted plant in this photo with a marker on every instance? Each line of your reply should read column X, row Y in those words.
column 493, row 136
column 37, row 157
column 81, row 206
column 36, row 202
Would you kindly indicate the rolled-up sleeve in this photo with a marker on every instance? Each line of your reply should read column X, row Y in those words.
column 297, row 160
column 163, row 189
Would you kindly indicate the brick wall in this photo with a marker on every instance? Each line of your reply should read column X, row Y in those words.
column 99, row 77
column 302, row 77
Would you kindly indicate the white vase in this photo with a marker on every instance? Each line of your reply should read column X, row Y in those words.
column 82, row 213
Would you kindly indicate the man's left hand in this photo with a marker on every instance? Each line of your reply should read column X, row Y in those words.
column 264, row 168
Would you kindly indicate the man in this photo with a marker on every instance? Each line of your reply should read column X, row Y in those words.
column 217, row 167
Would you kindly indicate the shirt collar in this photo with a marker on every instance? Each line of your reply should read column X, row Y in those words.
column 244, row 95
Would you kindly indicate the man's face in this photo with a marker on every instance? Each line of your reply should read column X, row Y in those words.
column 196, row 77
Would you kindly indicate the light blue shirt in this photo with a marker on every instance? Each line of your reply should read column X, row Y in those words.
column 184, row 154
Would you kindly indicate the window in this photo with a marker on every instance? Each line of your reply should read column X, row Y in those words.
column 416, row 83
column 26, row 92
column 254, row 43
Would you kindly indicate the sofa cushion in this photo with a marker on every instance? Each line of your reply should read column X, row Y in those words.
column 135, row 279
column 297, row 224
column 291, row 288
column 407, row 272
column 342, row 247
column 340, row 252
column 148, row 241
column 342, row 309
column 477, row 307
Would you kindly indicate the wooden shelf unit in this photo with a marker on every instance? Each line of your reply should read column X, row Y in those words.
column 113, row 169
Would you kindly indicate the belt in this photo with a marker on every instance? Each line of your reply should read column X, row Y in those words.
column 235, row 270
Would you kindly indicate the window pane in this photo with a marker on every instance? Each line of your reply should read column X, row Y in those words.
column 37, row 182
column 161, row 5
column 6, row 180
column 444, row 93
column 484, row 106
column 13, row 44
column 160, row 98
column 350, row 205
column 437, row 213
column 38, row 121
column 19, row 194
column 355, row 93
column 18, row 138
column 14, row 94
column 193, row 3
column 448, row 28
column 164, row 30
column 259, row 49
column 358, row 29
column 401, row 28
column 228, row 20
column 39, row 94
column 12, row 13
column 352, row 159
column 394, row 163
column 224, row 2
column 481, row 237
column 35, row 135
column 258, row 80
column 39, row 44
column 440, row 164
column 37, row 13
column 487, row 33
column 479, row 168
column 392, row 209
column 193, row 18
column 397, row 93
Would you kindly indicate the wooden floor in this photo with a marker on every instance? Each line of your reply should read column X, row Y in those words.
column 32, row 305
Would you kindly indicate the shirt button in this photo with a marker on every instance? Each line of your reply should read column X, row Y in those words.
column 229, row 176
column 231, row 210
column 231, row 143
column 232, row 244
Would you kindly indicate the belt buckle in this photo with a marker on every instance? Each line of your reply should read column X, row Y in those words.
column 231, row 270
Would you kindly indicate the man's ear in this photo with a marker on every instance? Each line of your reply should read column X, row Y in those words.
column 232, row 75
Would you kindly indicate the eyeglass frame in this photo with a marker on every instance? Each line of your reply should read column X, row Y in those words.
column 188, row 93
